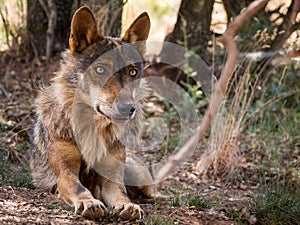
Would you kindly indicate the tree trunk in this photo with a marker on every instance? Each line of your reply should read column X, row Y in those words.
column 108, row 15
column 37, row 25
column 192, row 29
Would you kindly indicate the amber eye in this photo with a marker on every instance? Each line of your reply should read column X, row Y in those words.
column 133, row 72
column 100, row 69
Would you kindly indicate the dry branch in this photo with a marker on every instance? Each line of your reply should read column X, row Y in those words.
column 220, row 87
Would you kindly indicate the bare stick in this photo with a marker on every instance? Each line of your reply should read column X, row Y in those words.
column 220, row 87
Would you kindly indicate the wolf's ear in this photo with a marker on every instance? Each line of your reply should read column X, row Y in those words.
column 138, row 30
column 84, row 29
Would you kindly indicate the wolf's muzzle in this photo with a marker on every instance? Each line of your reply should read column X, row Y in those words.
column 127, row 109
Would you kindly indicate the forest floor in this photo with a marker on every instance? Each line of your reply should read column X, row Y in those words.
column 211, row 203
column 195, row 200
column 20, row 205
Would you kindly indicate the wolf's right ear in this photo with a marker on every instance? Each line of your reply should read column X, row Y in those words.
column 138, row 31
column 84, row 30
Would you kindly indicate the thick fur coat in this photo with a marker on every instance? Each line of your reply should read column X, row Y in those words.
column 83, row 117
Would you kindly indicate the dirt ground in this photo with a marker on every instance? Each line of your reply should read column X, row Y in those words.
column 19, row 205
column 28, row 206
column 25, row 206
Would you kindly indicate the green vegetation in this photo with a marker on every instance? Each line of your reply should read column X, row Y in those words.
column 14, row 173
column 156, row 221
column 14, row 168
column 3, row 163
column 197, row 201
column 277, row 203
column 274, row 121
column 192, row 199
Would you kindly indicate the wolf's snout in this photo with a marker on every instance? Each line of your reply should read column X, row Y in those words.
column 126, row 109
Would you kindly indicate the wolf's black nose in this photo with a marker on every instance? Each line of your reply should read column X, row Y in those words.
column 126, row 109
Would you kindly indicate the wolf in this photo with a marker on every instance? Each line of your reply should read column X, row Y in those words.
column 81, row 119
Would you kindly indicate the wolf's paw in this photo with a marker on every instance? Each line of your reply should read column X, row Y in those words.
column 90, row 208
column 128, row 212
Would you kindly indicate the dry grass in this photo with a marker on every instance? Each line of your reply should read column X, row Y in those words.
column 223, row 157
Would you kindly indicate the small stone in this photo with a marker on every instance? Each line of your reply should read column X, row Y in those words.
column 252, row 220
column 243, row 187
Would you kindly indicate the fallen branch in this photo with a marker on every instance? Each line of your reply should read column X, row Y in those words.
column 220, row 87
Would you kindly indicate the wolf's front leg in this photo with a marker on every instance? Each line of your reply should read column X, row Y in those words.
column 113, row 191
column 115, row 196
column 65, row 160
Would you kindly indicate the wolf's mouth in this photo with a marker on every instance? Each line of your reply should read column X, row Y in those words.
column 98, row 109
column 117, row 117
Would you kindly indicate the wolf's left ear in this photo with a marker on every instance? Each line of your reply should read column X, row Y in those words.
column 138, row 31
column 84, row 29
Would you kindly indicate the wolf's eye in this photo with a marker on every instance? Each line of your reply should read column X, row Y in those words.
column 100, row 69
column 133, row 72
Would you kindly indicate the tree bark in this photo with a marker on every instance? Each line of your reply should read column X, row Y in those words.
column 192, row 29
column 51, row 12
column 107, row 12
column 38, row 25
column 108, row 15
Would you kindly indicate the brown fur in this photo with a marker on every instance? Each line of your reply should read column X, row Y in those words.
column 75, row 134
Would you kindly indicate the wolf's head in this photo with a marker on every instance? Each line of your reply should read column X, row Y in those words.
column 111, row 84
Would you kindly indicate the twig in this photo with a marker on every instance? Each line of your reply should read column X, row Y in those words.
column 33, row 47
column 5, row 92
column 220, row 88
column 12, row 189
column 275, row 99
column 178, row 158
column 45, row 7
